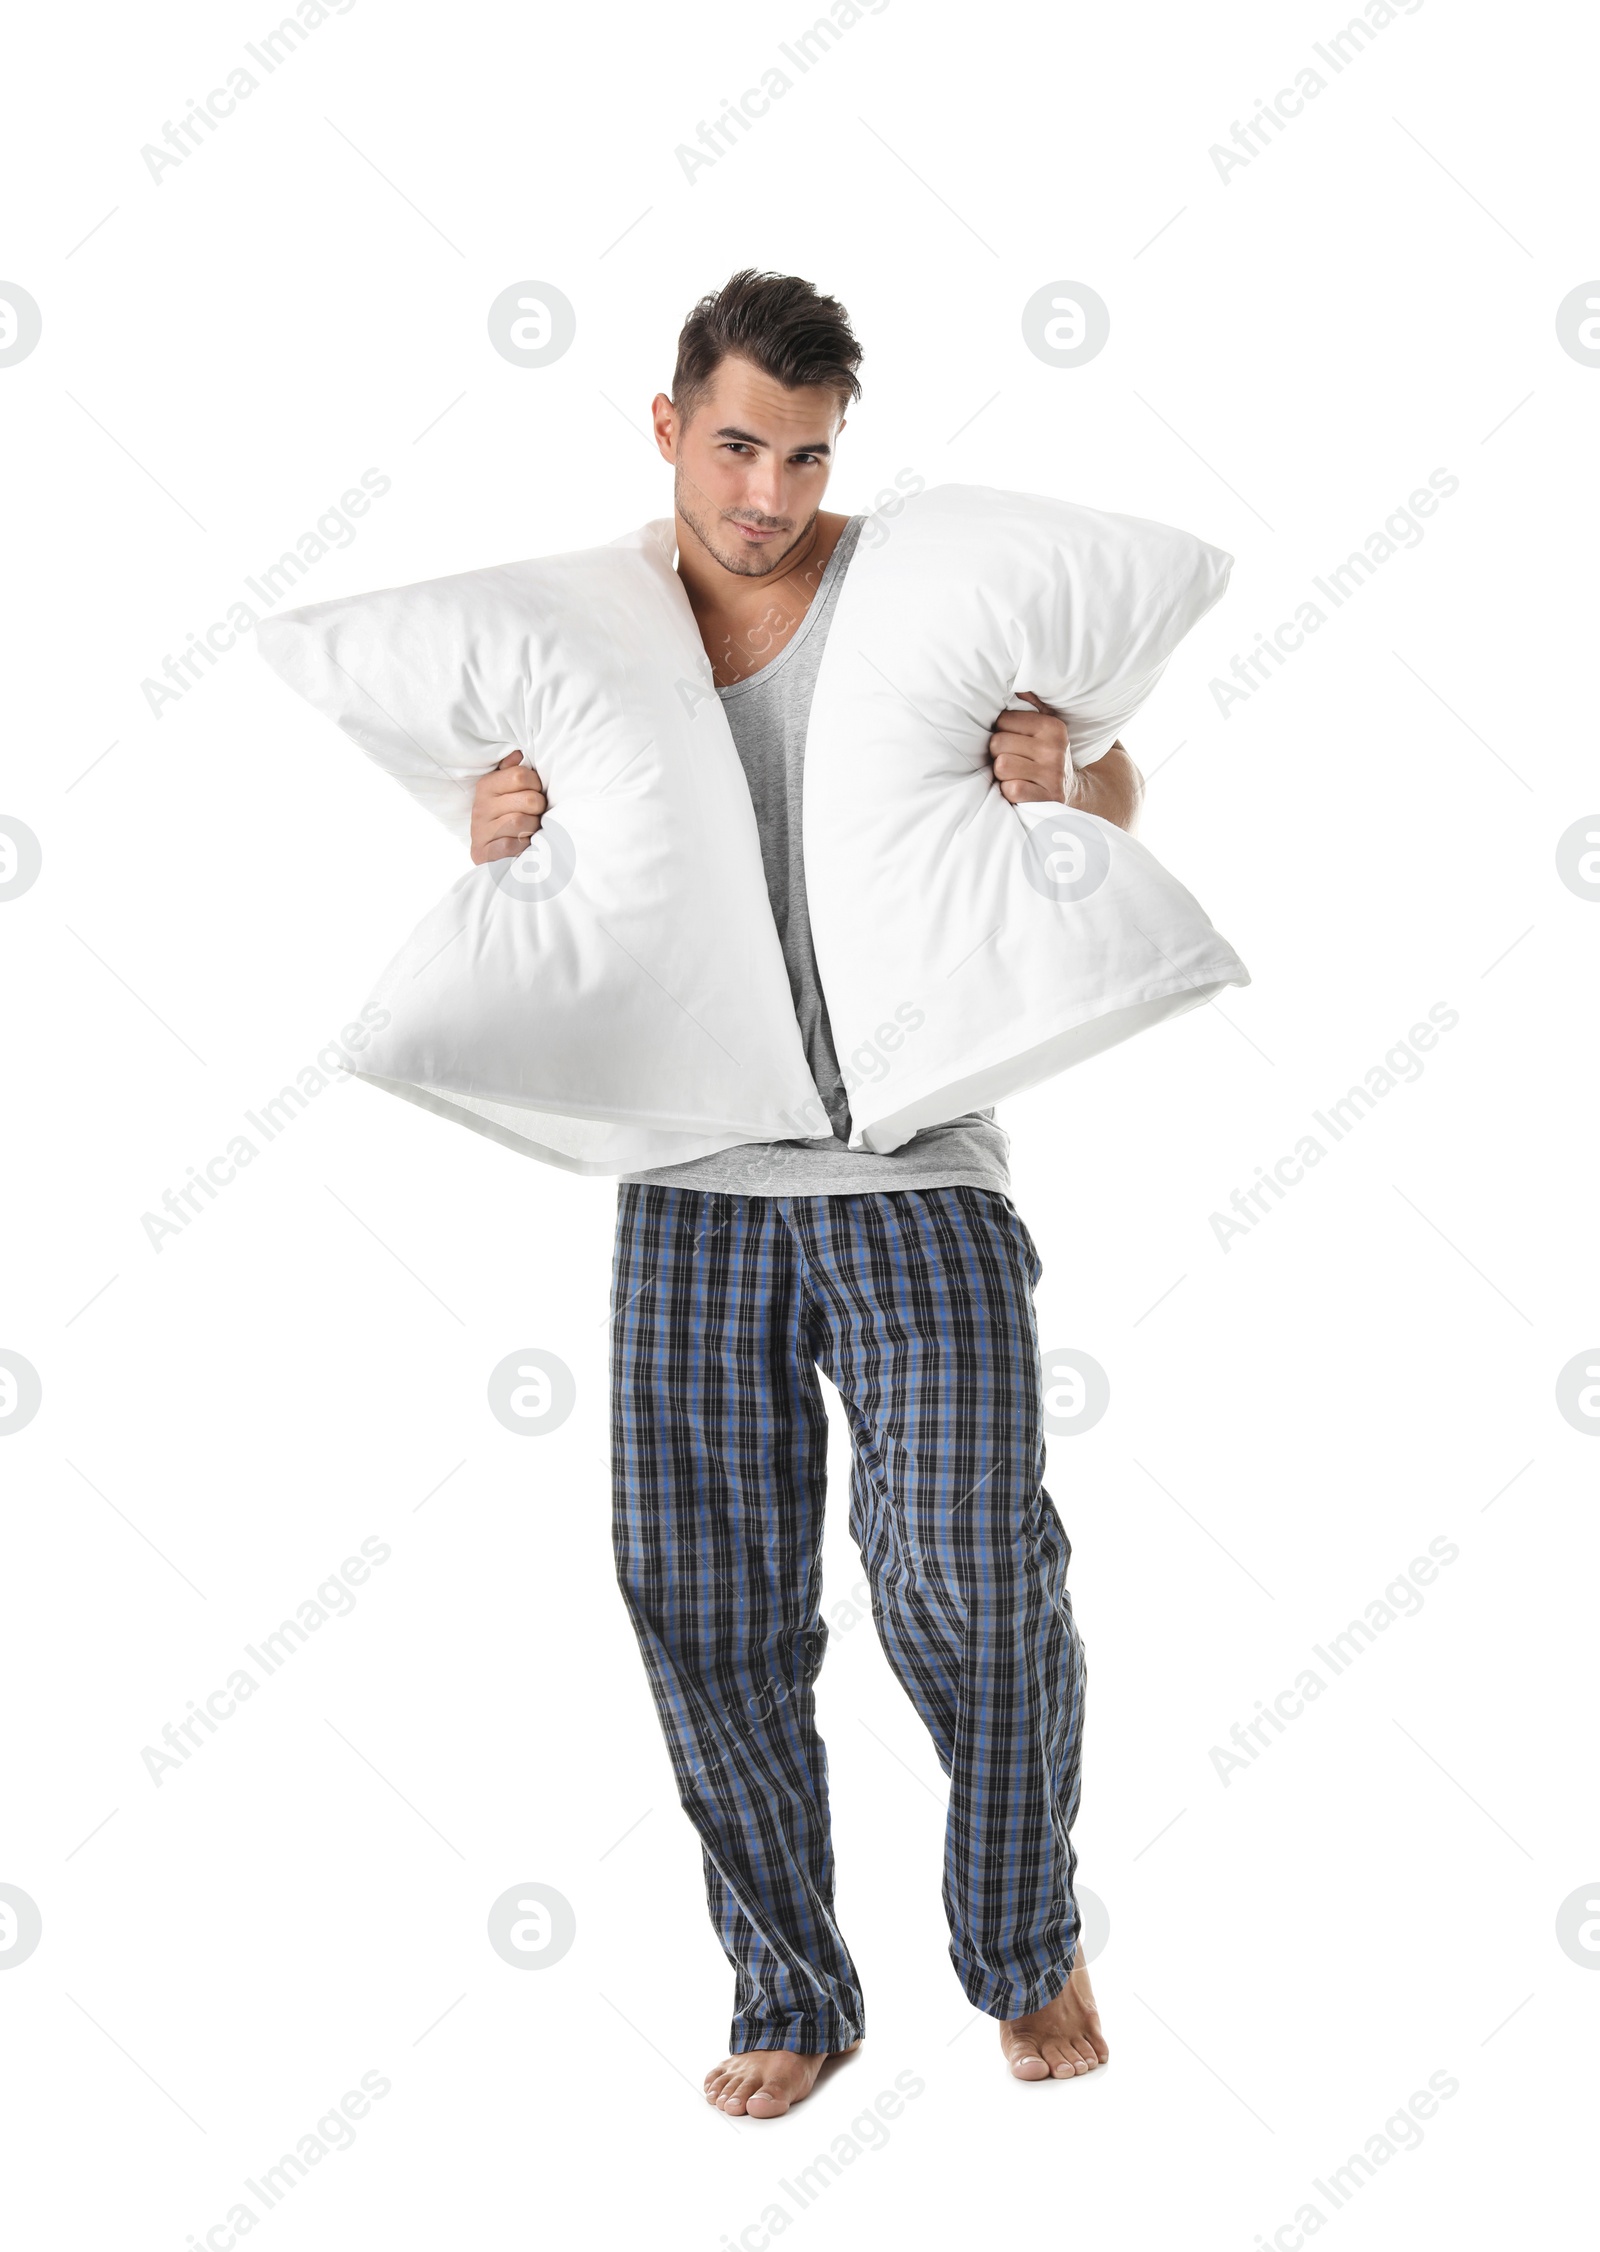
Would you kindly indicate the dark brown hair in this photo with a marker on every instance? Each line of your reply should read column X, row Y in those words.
column 780, row 323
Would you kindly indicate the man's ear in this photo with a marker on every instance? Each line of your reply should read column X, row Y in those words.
column 664, row 421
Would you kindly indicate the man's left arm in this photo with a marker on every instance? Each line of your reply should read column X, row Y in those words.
column 1030, row 755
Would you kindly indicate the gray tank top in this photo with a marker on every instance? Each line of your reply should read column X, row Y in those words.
column 767, row 714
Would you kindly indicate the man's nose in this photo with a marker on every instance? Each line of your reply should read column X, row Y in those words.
column 764, row 495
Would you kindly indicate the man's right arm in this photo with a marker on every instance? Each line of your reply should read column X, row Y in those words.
column 507, row 807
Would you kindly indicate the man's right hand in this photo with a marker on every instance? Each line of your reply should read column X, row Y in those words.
column 507, row 807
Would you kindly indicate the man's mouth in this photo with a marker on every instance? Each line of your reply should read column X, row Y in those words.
column 755, row 533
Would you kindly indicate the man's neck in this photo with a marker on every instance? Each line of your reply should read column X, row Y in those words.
column 745, row 619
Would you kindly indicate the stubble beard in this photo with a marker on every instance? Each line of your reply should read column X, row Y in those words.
column 744, row 562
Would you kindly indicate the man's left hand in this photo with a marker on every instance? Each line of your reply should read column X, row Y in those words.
column 1028, row 751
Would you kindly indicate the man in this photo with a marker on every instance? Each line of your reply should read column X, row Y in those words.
column 905, row 1278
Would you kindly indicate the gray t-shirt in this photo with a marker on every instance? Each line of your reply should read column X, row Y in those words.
column 768, row 714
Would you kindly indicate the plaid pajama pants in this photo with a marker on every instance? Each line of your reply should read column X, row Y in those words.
column 917, row 1306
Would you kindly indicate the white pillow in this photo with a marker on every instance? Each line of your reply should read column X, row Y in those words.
column 616, row 998
column 968, row 947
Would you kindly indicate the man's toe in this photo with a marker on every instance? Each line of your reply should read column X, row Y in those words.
column 1085, row 2051
column 1026, row 2061
column 768, row 2103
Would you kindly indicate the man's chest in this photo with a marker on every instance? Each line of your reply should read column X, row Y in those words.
column 741, row 641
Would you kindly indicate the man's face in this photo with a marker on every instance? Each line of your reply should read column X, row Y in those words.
column 752, row 465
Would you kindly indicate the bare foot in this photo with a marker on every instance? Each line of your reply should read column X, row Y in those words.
column 765, row 2082
column 1060, row 2040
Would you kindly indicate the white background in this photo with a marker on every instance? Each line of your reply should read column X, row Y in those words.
column 1292, row 351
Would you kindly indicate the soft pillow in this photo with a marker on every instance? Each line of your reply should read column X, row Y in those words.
column 615, row 998
column 968, row 947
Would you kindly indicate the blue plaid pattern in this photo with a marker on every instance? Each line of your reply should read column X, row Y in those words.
column 917, row 1305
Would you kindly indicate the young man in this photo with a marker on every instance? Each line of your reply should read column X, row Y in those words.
column 906, row 1279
